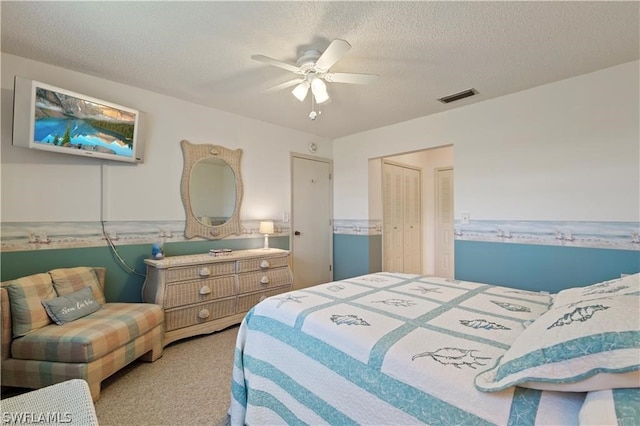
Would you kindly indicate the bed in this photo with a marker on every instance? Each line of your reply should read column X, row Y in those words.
column 401, row 349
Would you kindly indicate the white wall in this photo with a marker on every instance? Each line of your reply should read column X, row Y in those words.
column 564, row 151
column 40, row 186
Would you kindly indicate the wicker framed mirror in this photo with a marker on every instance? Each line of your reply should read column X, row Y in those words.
column 211, row 190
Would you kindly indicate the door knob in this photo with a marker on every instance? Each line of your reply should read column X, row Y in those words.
column 296, row 233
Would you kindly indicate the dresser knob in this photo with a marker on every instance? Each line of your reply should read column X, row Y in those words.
column 205, row 289
column 264, row 280
column 204, row 313
column 265, row 264
column 205, row 272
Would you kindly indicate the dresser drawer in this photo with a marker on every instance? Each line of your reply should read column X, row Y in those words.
column 196, row 314
column 262, row 280
column 249, row 300
column 185, row 273
column 187, row 292
column 263, row 263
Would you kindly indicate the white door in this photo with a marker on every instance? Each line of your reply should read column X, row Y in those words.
column 402, row 218
column 392, row 225
column 311, row 224
column 412, row 237
column 444, row 223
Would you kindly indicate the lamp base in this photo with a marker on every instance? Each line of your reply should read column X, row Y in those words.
column 266, row 242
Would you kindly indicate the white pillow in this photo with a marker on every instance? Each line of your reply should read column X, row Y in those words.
column 629, row 284
column 589, row 345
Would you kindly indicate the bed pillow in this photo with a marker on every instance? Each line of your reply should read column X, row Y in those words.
column 25, row 297
column 68, row 308
column 629, row 284
column 586, row 346
column 69, row 280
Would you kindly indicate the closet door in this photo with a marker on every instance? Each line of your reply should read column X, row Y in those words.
column 402, row 221
column 412, row 223
column 392, row 226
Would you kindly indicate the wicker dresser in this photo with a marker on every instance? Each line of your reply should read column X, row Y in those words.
column 204, row 293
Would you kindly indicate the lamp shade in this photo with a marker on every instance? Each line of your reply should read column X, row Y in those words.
column 301, row 90
column 319, row 90
column 266, row 227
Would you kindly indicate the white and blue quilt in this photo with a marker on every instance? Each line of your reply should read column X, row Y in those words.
column 388, row 349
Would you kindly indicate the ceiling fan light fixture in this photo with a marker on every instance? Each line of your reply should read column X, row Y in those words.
column 312, row 70
column 301, row 90
column 319, row 90
column 321, row 97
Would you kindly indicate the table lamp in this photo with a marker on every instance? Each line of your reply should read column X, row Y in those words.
column 266, row 228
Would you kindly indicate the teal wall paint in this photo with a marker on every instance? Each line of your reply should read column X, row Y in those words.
column 531, row 267
column 375, row 253
column 121, row 285
column 540, row 267
column 355, row 255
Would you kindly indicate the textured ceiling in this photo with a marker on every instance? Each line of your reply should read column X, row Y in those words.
column 200, row 51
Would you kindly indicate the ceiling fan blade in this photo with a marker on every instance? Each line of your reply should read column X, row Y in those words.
column 276, row 63
column 345, row 77
column 285, row 85
column 336, row 50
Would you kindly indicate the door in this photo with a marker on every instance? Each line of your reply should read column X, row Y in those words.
column 444, row 247
column 402, row 218
column 311, row 224
column 412, row 237
column 392, row 214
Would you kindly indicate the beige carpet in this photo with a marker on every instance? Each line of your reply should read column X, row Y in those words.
column 189, row 385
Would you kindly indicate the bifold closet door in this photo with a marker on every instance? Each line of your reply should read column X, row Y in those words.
column 402, row 219
column 392, row 226
column 412, row 220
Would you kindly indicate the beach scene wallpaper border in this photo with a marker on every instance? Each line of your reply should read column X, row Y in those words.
column 608, row 235
column 23, row 236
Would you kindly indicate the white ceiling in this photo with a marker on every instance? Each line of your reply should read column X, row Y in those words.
column 200, row 51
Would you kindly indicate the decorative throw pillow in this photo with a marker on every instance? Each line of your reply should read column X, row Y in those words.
column 580, row 347
column 25, row 297
column 616, row 287
column 69, row 280
column 68, row 308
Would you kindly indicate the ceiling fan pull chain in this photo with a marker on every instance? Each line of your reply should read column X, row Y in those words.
column 313, row 114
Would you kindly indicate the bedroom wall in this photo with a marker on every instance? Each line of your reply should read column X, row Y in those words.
column 554, row 156
column 64, row 198
column 547, row 159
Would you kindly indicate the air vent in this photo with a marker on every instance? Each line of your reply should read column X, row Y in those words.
column 457, row 96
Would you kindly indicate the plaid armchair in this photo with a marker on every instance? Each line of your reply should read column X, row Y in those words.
column 89, row 345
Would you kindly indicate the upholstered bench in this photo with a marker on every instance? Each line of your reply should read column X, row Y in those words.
column 90, row 339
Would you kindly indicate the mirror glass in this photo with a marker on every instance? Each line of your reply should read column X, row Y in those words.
column 211, row 190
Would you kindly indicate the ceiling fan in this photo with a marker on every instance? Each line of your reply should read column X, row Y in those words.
column 312, row 68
